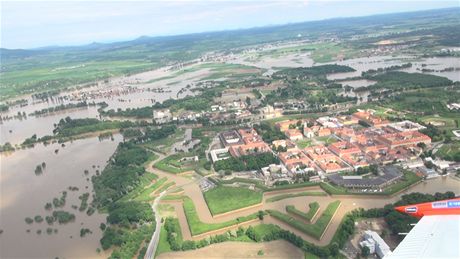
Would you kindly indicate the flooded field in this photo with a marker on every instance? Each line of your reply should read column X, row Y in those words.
column 271, row 63
column 24, row 194
column 16, row 131
column 376, row 62
column 443, row 66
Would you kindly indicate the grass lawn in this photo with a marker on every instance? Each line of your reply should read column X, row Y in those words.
column 315, row 230
column 310, row 256
column 313, row 208
column 163, row 244
column 293, row 195
column 327, row 139
column 304, row 143
column 408, row 179
column 223, row 199
column 198, row 227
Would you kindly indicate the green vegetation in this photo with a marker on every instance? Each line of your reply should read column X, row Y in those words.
column 268, row 132
column 140, row 113
column 84, row 232
column 313, row 208
column 315, row 230
column 304, row 143
column 172, row 163
column 163, row 145
column 293, row 195
column 124, row 178
column 128, row 242
column 259, row 185
column 84, row 201
column 245, row 163
column 450, row 151
column 70, row 127
column 59, row 68
column 223, row 199
column 130, row 212
column 403, row 80
column 63, row 217
column 198, row 227
column 62, row 107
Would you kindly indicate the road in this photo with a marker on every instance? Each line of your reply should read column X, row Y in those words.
column 150, row 253
column 153, row 244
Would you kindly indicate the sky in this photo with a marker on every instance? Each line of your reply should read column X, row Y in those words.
column 31, row 24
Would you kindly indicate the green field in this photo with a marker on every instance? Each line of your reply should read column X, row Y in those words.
column 198, row 227
column 315, row 230
column 293, row 195
column 163, row 244
column 224, row 199
column 313, row 208
column 304, row 143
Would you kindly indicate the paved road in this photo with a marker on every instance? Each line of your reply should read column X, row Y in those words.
column 156, row 235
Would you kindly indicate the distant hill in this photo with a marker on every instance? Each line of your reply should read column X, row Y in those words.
column 32, row 70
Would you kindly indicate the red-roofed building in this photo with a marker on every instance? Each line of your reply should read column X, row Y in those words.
column 407, row 138
column 293, row 134
column 370, row 119
column 343, row 147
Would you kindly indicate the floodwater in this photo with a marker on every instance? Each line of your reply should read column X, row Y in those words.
column 23, row 194
column 437, row 64
column 348, row 203
column 271, row 63
column 16, row 131
column 366, row 63
column 357, row 83
column 376, row 62
column 114, row 94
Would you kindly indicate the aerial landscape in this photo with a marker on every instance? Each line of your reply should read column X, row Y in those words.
column 280, row 139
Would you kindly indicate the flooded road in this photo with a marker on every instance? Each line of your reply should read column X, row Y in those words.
column 23, row 194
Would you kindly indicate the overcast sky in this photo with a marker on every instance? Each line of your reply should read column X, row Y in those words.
column 30, row 24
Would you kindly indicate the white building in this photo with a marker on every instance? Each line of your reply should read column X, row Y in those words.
column 162, row 116
column 219, row 154
column 375, row 243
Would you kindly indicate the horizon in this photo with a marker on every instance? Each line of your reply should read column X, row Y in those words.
column 19, row 28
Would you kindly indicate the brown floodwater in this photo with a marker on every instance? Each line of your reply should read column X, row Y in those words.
column 23, row 194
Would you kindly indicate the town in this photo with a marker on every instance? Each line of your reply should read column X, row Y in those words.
column 336, row 149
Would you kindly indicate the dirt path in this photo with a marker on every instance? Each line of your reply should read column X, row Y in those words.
column 273, row 249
